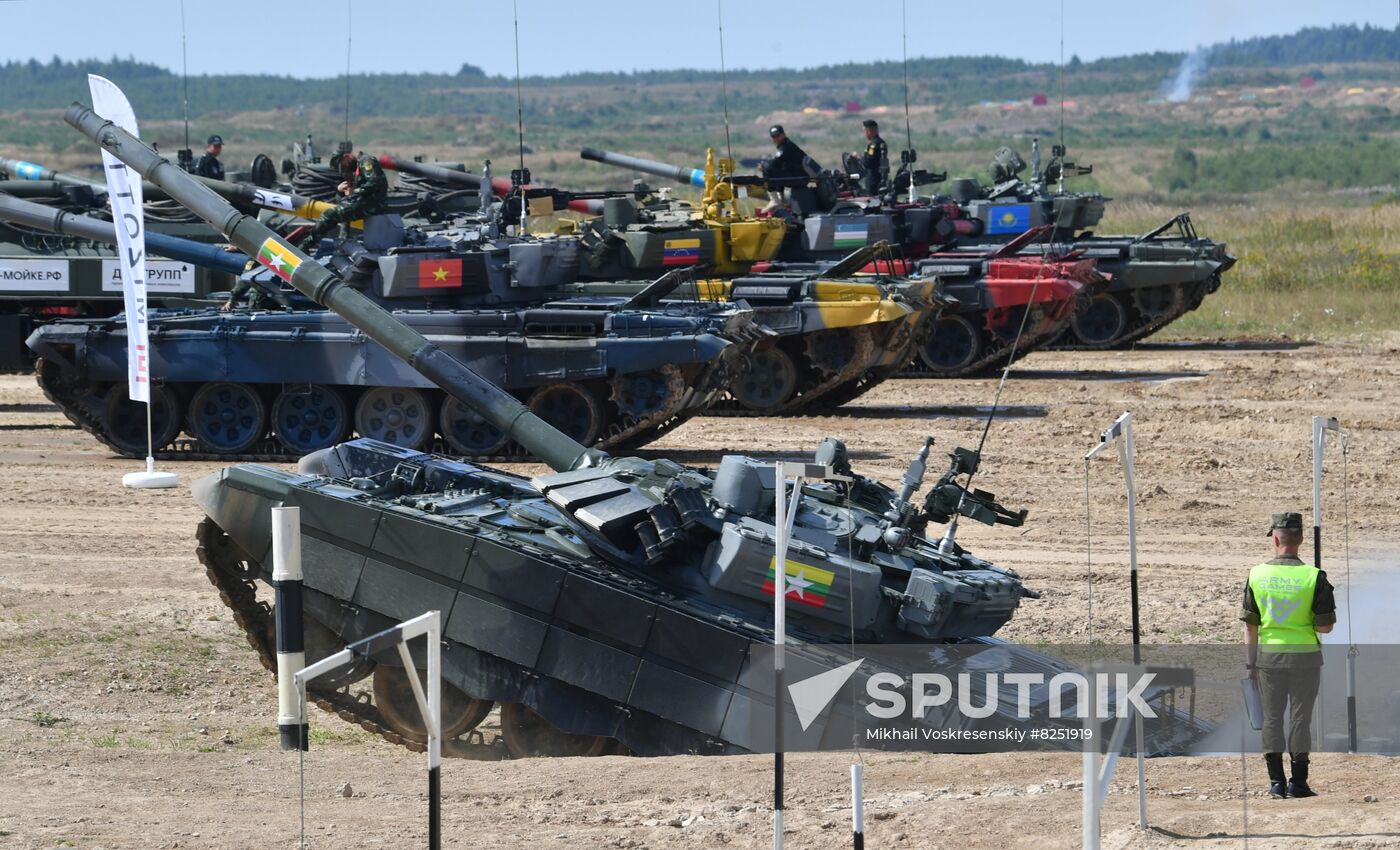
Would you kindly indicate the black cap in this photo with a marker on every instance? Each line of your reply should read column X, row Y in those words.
column 1288, row 519
column 871, row 123
column 776, row 130
column 215, row 139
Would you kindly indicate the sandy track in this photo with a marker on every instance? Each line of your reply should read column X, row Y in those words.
column 165, row 734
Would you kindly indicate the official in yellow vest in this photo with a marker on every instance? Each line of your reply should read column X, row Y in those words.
column 1287, row 604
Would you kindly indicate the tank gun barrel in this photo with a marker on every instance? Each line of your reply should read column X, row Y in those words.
column 67, row 223
column 22, row 170
column 239, row 192
column 452, row 177
column 690, row 176
column 323, row 286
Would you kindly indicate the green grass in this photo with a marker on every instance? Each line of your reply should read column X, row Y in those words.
column 46, row 720
column 108, row 741
column 1304, row 271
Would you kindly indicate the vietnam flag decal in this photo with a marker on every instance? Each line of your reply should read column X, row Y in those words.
column 805, row 584
column 441, row 273
column 279, row 258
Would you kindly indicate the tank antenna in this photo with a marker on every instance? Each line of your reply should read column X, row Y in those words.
column 185, row 74
column 1062, row 93
column 724, row 96
column 519, row 116
column 908, row 131
column 349, row 26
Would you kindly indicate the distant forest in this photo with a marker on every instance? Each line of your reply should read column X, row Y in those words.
column 156, row 93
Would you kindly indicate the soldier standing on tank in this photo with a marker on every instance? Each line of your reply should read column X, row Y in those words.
column 367, row 196
column 209, row 165
column 876, row 159
column 1287, row 604
column 789, row 165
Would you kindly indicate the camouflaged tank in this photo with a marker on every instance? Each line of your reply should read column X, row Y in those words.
column 631, row 238
column 609, row 603
column 837, row 333
column 612, row 602
column 1152, row 279
column 270, row 384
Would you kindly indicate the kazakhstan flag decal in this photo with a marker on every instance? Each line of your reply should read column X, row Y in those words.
column 1012, row 218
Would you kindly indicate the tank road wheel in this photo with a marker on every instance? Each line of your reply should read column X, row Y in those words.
column 306, row 418
column 393, row 696
column 398, row 415
column 466, row 432
column 126, row 419
column 640, row 394
column 527, row 734
column 831, row 351
column 227, row 418
column 570, row 408
column 953, row 343
column 1158, row 302
column 770, row 382
column 1101, row 321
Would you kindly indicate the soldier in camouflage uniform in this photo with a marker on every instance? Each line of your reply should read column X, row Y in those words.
column 367, row 196
column 257, row 297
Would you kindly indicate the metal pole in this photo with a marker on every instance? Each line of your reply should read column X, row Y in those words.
column 291, row 655
column 857, row 806
column 433, row 722
column 779, row 641
column 1121, row 433
column 1126, row 456
column 1090, row 812
column 1320, row 426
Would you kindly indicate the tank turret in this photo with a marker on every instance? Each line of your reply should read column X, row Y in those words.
column 613, row 600
column 313, row 280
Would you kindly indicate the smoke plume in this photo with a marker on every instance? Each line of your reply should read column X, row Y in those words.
column 1178, row 88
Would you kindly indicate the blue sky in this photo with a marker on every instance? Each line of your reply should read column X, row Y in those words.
column 308, row 39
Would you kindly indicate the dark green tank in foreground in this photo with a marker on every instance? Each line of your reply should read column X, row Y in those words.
column 608, row 600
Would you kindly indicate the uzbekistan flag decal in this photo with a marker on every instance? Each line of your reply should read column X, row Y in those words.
column 851, row 235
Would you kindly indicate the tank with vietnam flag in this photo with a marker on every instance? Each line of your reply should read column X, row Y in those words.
column 253, row 383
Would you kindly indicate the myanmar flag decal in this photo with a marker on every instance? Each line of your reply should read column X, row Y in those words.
column 279, row 258
column 805, row 584
column 440, row 273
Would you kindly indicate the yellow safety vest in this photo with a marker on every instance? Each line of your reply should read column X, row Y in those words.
column 1284, row 594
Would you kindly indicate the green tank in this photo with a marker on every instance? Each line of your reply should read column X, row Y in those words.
column 46, row 275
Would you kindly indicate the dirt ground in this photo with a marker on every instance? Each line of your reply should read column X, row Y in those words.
column 132, row 713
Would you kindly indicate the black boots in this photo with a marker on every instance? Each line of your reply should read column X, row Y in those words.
column 1278, row 785
column 1298, row 785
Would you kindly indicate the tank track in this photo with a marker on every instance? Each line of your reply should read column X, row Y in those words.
column 68, row 397
column 815, row 396
column 1142, row 327
column 230, row 571
column 992, row 360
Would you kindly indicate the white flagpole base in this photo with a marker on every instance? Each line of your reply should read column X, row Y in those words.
column 150, row 479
